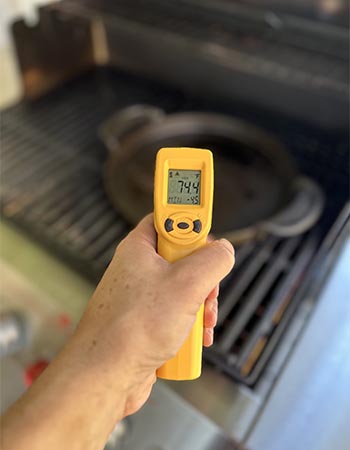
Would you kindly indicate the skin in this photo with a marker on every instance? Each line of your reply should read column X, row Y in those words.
column 138, row 318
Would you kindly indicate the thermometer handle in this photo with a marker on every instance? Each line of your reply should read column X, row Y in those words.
column 187, row 363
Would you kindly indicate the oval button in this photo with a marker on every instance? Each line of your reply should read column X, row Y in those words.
column 168, row 225
column 197, row 226
column 183, row 225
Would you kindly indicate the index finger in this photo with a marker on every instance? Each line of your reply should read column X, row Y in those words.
column 145, row 231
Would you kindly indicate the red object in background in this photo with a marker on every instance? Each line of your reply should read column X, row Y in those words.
column 64, row 320
column 34, row 370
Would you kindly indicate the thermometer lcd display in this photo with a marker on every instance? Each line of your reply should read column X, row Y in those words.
column 184, row 187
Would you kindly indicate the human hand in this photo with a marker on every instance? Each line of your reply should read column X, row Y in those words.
column 144, row 308
column 139, row 316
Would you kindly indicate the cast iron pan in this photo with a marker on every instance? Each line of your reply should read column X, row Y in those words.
column 257, row 187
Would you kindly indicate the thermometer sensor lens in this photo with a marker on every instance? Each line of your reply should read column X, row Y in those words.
column 184, row 187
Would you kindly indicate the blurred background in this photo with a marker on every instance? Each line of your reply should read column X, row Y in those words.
column 89, row 91
column 10, row 10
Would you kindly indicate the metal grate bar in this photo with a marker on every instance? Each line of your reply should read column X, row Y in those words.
column 11, row 145
column 77, row 133
column 277, row 301
column 239, row 286
column 79, row 227
column 72, row 216
column 40, row 167
column 61, row 201
column 61, row 116
column 108, row 239
column 250, row 302
column 99, row 224
column 30, row 153
column 27, row 192
column 38, row 136
column 242, row 253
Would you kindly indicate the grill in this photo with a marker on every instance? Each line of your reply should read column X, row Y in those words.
column 282, row 50
column 254, row 301
column 217, row 49
column 51, row 186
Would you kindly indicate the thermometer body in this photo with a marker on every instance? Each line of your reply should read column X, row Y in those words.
column 183, row 201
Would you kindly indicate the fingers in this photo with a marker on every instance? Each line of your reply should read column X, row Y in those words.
column 205, row 268
column 210, row 313
column 208, row 337
column 214, row 294
column 210, row 318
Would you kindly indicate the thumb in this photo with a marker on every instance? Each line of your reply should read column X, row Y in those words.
column 205, row 268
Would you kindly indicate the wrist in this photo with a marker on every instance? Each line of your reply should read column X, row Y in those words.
column 112, row 357
column 75, row 392
column 91, row 357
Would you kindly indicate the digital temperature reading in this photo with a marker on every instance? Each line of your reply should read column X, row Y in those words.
column 184, row 187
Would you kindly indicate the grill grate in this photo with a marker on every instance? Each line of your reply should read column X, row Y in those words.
column 254, row 300
column 51, row 185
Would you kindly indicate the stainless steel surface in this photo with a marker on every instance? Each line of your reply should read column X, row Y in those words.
column 309, row 408
column 230, row 405
column 167, row 422
column 45, row 334
column 12, row 333
column 119, row 435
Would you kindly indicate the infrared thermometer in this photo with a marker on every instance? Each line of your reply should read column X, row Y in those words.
column 183, row 202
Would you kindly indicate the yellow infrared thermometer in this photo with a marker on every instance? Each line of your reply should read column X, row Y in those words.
column 183, row 203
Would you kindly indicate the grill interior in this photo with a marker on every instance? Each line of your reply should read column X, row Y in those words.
column 254, row 300
column 279, row 52
column 51, row 186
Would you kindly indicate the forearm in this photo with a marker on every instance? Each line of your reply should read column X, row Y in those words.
column 74, row 404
